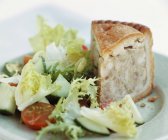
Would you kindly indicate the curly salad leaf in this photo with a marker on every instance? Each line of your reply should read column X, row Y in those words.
column 68, row 109
column 80, row 89
column 71, row 131
column 33, row 86
column 113, row 117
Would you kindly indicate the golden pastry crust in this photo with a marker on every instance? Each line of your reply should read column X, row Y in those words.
column 110, row 34
column 141, row 28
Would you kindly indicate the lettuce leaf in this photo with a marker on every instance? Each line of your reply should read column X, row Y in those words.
column 32, row 87
column 68, row 109
column 46, row 35
column 128, row 105
column 43, row 37
column 79, row 89
column 120, row 120
column 71, row 131
column 74, row 50
column 59, row 36
column 114, row 117
column 55, row 54
column 63, row 50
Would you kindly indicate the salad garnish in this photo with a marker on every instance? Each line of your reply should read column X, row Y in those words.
column 55, row 89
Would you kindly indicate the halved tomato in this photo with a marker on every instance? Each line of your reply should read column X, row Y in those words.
column 37, row 115
column 26, row 59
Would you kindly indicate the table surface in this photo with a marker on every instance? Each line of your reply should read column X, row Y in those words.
column 153, row 13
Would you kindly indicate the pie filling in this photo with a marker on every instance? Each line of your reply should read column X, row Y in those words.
column 123, row 74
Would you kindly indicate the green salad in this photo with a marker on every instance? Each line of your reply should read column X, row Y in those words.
column 56, row 91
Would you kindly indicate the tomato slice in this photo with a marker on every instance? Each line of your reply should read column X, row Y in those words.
column 36, row 115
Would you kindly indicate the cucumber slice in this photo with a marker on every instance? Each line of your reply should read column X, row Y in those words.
column 64, row 87
column 126, row 102
column 92, row 126
column 7, row 100
column 3, row 76
column 44, row 100
column 12, row 69
column 14, row 79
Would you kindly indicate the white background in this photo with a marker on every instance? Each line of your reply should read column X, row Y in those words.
column 153, row 13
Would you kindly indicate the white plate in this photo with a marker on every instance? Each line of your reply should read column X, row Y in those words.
column 14, row 34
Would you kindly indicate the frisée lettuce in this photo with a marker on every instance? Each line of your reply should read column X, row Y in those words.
column 79, row 89
column 68, row 109
column 71, row 131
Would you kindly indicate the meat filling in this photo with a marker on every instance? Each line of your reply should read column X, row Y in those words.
column 123, row 74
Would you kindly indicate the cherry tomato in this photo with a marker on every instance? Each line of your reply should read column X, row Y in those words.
column 26, row 59
column 36, row 115
column 13, row 84
column 84, row 48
